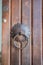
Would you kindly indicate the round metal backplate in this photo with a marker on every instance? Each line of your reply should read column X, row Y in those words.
column 20, row 34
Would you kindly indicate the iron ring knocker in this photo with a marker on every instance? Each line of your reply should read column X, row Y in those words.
column 20, row 35
column 17, row 43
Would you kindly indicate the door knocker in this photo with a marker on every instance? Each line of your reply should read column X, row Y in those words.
column 20, row 34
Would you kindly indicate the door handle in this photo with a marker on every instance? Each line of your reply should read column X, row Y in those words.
column 20, row 34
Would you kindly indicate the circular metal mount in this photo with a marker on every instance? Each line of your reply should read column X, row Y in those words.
column 20, row 34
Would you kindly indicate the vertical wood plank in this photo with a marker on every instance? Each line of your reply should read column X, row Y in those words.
column 5, row 33
column 26, row 19
column 37, row 31
column 15, row 19
column 0, row 31
column 15, row 12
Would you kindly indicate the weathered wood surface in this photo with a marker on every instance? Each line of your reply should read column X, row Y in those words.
column 15, row 20
column 26, row 19
column 37, row 31
column 5, row 33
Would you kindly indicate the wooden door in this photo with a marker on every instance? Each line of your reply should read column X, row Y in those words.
column 31, row 17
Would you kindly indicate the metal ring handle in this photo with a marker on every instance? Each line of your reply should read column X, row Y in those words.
column 17, row 42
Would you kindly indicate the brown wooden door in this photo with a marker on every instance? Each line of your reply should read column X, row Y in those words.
column 31, row 17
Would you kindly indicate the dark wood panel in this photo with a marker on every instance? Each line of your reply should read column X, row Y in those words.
column 15, row 20
column 37, row 31
column 5, row 33
column 26, row 19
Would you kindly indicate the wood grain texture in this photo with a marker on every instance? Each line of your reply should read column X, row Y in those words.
column 26, row 16
column 26, row 19
column 37, row 31
column 15, row 20
column 5, row 34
